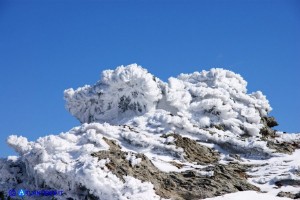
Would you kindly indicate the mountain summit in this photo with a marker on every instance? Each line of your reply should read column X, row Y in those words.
column 197, row 136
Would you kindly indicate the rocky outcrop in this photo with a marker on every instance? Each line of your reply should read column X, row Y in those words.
column 283, row 147
column 269, row 135
column 289, row 195
column 189, row 184
column 287, row 182
column 269, row 123
column 194, row 152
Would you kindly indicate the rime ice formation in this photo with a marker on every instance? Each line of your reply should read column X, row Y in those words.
column 215, row 97
column 196, row 136
column 126, row 91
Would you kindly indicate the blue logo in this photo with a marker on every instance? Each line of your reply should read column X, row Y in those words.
column 12, row 193
column 21, row 193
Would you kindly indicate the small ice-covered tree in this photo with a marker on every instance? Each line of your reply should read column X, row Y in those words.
column 120, row 93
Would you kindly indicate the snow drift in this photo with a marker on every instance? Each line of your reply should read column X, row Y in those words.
column 158, row 125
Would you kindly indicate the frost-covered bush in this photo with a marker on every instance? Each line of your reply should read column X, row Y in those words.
column 123, row 92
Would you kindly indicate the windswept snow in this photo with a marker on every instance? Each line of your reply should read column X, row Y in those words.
column 140, row 113
column 282, row 167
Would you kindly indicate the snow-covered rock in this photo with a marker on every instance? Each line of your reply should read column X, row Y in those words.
column 142, row 138
column 123, row 92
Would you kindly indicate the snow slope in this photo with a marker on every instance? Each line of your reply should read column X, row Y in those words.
column 141, row 113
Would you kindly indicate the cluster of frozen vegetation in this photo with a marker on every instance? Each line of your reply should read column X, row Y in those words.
column 132, row 120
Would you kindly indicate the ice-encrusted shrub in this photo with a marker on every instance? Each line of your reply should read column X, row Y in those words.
column 123, row 92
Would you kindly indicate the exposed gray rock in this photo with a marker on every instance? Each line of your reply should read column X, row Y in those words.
column 189, row 184
column 246, row 152
column 289, row 195
column 269, row 135
column 235, row 156
column 267, row 130
column 282, row 147
column 269, row 121
column 194, row 152
column 286, row 182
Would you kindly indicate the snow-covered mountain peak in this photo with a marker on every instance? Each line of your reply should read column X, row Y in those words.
column 196, row 136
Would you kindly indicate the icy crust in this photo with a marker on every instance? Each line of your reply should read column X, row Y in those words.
column 120, row 93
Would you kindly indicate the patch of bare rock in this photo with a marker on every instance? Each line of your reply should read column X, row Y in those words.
column 189, row 184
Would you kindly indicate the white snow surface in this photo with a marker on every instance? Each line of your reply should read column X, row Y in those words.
column 247, row 195
column 132, row 107
column 279, row 167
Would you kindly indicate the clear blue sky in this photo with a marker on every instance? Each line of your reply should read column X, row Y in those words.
column 48, row 46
